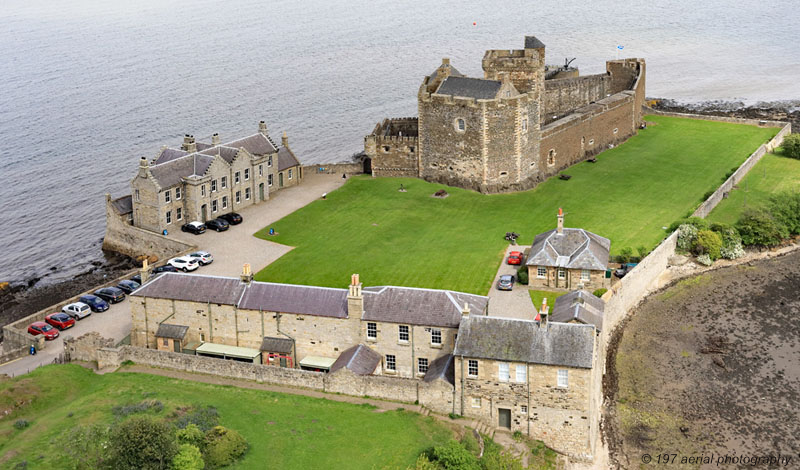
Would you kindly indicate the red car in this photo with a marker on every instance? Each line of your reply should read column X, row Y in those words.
column 62, row 321
column 42, row 328
column 515, row 257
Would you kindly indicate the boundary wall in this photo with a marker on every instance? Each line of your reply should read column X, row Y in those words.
column 354, row 168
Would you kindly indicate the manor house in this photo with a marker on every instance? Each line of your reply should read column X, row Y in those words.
column 520, row 123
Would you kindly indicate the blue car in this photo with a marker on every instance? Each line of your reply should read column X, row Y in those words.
column 95, row 303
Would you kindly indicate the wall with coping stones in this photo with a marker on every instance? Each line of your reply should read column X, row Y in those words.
column 566, row 94
column 355, row 168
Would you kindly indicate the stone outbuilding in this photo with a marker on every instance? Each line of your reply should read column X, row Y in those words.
column 580, row 306
column 171, row 337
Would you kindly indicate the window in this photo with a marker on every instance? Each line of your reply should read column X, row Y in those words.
column 178, row 214
column 246, row 174
column 169, row 217
column 403, row 333
column 502, row 371
column 503, row 173
column 269, row 161
column 223, row 182
column 246, row 194
column 236, row 177
column 472, row 368
column 562, row 273
column 269, row 180
column 224, row 202
column 260, row 170
column 136, row 195
column 616, row 129
column 422, row 365
column 213, row 186
column 238, row 197
column 563, row 378
column 165, row 342
column 541, row 272
column 290, row 173
column 522, row 373
column 391, row 364
column 177, row 193
column 386, row 149
column 551, row 157
column 523, row 409
column 411, row 149
column 476, row 402
column 436, row 337
column 524, row 124
column 591, row 142
column 585, row 275
column 202, row 190
column 214, row 206
column 166, row 195
column 461, row 126
column 372, row 330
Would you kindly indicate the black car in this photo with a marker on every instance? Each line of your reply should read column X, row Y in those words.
column 110, row 294
column 94, row 302
column 220, row 225
column 194, row 227
column 164, row 269
column 137, row 279
column 232, row 218
column 128, row 286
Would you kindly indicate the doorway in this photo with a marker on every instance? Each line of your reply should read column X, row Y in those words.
column 504, row 416
column 176, row 345
column 203, row 211
column 280, row 180
column 261, row 192
column 368, row 166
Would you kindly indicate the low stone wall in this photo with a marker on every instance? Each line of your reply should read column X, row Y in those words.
column 707, row 117
column 354, row 168
column 85, row 347
column 12, row 354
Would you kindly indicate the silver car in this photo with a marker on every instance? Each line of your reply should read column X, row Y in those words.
column 77, row 310
column 203, row 257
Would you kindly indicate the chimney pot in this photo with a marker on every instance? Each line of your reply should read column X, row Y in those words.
column 247, row 275
column 560, row 227
column 262, row 127
column 285, row 139
column 215, row 139
column 465, row 310
column 445, row 61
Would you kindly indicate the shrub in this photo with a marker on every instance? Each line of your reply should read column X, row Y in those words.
column 223, row 447
column 791, row 146
column 758, row 228
column 687, row 234
column 625, row 255
column 125, row 410
column 142, row 443
column 731, row 241
column 697, row 222
column 454, row 416
column 522, row 275
column 495, row 456
column 191, row 435
column 87, row 447
column 709, row 243
column 599, row 292
column 203, row 418
column 453, row 456
column 517, row 435
column 21, row 424
column 470, row 443
column 643, row 251
column 424, row 463
column 785, row 209
column 188, row 458
column 705, row 260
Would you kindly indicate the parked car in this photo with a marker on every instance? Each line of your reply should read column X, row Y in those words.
column 195, row 227
column 42, row 328
column 515, row 257
column 164, row 269
column 137, row 279
column 110, row 294
column 62, row 321
column 220, row 225
column 128, row 286
column 77, row 310
column 184, row 263
column 232, row 218
column 623, row 270
column 94, row 302
column 203, row 257
column 506, row 282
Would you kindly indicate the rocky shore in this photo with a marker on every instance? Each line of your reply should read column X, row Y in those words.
column 788, row 110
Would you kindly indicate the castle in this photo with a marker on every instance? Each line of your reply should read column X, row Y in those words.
column 519, row 124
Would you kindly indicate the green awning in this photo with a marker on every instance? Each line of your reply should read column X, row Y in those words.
column 227, row 351
column 317, row 362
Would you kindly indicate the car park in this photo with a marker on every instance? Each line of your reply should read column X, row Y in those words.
column 137, row 279
column 164, row 269
column 232, row 218
column 110, row 294
column 60, row 320
column 203, row 257
column 128, row 286
column 220, row 225
column 77, row 310
column 184, row 263
column 195, row 227
column 42, row 328
column 94, row 302
column 515, row 257
column 506, row 282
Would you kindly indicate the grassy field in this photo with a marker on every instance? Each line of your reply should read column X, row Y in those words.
column 538, row 295
column 284, row 431
column 774, row 173
column 412, row 239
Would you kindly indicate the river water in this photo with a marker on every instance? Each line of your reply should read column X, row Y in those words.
column 88, row 87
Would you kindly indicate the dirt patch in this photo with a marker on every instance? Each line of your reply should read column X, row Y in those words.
column 709, row 365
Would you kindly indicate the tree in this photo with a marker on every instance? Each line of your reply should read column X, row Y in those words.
column 791, row 146
column 188, row 458
column 785, row 209
column 758, row 227
column 223, row 447
column 709, row 243
column 625, row 255
column 87, row 447
column 142, row 443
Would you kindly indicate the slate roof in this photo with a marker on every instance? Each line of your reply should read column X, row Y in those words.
column 278, row 345
column 413, row 306
column 192, row 287
column 532, row 43
column 441, row 368
column 359, row 359
column 580, row 305
column 470, row 87
column 172, row 172
column 505, row 339
column 168, row 154
column 286, row 159
column 256, row 144
column 574, row 248
column 303, row 300
column 171, row 331
column 453, row 73
column 123, row 205
column 227, row 153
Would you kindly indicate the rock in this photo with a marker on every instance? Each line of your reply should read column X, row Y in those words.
column 678, row 260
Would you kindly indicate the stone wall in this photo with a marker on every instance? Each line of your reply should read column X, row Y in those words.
column 8, row 355
column 354, row 168
column 564, row 95
column 85, row 347
column 393, row 148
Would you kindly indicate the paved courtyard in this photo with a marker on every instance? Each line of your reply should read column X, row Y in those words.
column 510, row 304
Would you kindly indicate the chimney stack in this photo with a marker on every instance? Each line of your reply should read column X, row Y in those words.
column 144, row 272
column 465, row 310
column 262, row 127
column 560, row 227
column 285, row 140
column 247, row 275
column 143, row 166
column 215, row 139
column 189, row 145
column 446, row 61
column 543, row 314
column 355, row 299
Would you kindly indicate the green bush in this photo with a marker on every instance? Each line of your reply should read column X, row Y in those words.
column 708, row 243
column 21, row 423
column 454, row 416
column 470, row 443
column 625, row 255
column 188, row 458
column 785, row 209
column 223, row 446
column 687, row 235
column 204, row 418
column 696, row 222
column 495, row 457
column 758, row 228
column 522, row 275
column 453, row 456
column 87, row 447
column 424, row 463
column 791, row 146
column 643, row 251
column 191, row 435
column 599, row 292
column 142, row 443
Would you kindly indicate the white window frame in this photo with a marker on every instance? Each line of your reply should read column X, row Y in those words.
column 372, row 331
column 224, row 202
column 214, row 207
column 237, row 177
column 289, row 174
column 476, row 402
column 503, row 371
column 523, row 409
column 167, row 195
column 562, row 378
column 562, row 273
column 541, row 272
column 521, row 373
column 136, row 195
column 586, row 275
column 169, row 217
column 269, row 180
column 403, row 330
column 202, row 190
column 260, row 169
column 422, row 365
column 434, row 333
column 178, row 214
column 269, row 161
column 246, row 194
column 472, row 364
column 223, row 182
column 238, row 197
column 247, row 174
column 391, row 362
column 178, row 193
column 213, row 186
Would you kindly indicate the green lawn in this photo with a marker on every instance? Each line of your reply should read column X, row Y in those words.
column 538, row 295
column 412, row 239
column 284, row 431
column 774, row 173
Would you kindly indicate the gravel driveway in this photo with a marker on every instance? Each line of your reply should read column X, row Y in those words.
column 510, row 304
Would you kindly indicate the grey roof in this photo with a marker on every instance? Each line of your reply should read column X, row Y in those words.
column 256, row 144
column 123, row 205
column 227, row 153
column 470, row 87
column 359, row 359
column 171, row 331
column 203, row 146
column 413, row 306
column 532, row 43
column 580, row 305
column 287, row 298
column 279, row 345
column 168, row 154
column 453, row 73
column 505, row 339
column 441, row 368
column 172, row 172
column 286, row 159
column 193, row 287
column 574, row 248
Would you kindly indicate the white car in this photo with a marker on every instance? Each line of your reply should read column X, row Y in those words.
column 202, row 257
column 78, row 310
column 184, row 263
